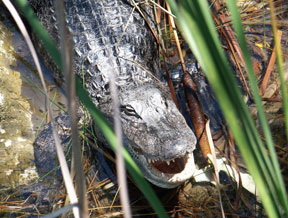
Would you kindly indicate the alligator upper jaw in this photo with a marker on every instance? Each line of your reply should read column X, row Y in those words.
column 167, row 173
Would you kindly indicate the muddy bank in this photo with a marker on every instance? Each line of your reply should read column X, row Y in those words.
column 16, row 129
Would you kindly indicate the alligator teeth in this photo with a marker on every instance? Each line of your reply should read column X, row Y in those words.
column 163, row 175
column 155, row 160
column 168, row 162
column 173, row 160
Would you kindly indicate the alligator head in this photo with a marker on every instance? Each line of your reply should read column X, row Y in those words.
column 158, row 137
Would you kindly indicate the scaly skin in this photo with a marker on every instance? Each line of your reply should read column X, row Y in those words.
column 111, row 37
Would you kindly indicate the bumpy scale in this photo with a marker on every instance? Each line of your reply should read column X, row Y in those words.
column 112, row 37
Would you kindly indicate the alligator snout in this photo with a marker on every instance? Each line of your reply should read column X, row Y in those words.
column 163, row 142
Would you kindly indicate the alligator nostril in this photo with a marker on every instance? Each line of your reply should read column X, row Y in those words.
column 166, row 104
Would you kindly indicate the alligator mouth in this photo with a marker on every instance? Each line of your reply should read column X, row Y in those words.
column 173, row 166
column 165, row 173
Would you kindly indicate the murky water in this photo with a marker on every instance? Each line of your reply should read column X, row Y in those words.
column 16, row 129
column 22, row 107
column 32, row 88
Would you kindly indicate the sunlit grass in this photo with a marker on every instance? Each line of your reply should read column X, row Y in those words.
column 196, row 23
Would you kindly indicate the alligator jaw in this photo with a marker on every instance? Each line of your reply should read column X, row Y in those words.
column 165, row 173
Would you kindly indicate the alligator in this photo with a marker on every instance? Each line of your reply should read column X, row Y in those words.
column 112, row 36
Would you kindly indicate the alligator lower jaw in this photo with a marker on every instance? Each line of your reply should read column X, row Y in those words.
column 168, row 174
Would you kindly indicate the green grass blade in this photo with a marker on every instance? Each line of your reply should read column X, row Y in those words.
column 197, row 25
column 282, row 83
column 280, row 187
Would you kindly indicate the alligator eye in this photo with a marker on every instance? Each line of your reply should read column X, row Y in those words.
column 129, row 110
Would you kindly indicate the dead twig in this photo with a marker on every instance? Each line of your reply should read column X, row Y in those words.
column 67, row 60
column 231, row 39
column 270, row 66
column 196, row 112
column 171, row 88
column 223, row 18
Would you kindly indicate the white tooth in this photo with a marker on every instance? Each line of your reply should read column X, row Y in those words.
column 152, row 160
column 163, row 175
column 149, row 161
column 173, row 160
column 168, row 162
